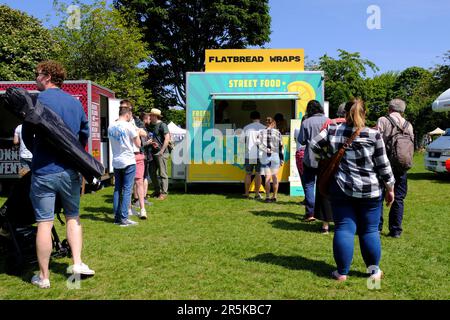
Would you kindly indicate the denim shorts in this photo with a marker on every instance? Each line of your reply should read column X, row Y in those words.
column 44, row 188
column 251, row 166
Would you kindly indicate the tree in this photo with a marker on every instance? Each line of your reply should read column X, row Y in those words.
column 345, row 77
column 24, row 42
column 379, row 91
column 107, row 49
column 176, row 116
column 179, row 31
column 442, row 73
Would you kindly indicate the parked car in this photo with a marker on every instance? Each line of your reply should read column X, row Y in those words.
column 437, row 153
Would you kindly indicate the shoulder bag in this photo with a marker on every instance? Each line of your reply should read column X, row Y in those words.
column 328, row 167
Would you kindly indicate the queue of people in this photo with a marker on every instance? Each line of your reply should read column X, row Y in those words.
column 140, row 151
column 140, row 148
column 365, row 175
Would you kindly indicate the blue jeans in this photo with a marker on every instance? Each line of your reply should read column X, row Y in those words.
column 123, row 186
column 397, row 207
column 309, row 181
column 353, row 215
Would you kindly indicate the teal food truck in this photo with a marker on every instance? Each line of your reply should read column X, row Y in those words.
column 218, row 106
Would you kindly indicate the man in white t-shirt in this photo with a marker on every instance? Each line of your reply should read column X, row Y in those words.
column 123, row 137
column 25, row 155
column 252, row 162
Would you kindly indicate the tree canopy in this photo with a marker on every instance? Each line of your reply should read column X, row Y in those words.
column 344, row 77
column 107, row 48
column 178, row 32
column 24, row 42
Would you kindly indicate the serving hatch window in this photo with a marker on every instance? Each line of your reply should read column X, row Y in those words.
column 235, row 113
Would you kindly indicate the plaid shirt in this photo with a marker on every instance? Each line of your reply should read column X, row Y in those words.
column 364, row 165
column 270, row 139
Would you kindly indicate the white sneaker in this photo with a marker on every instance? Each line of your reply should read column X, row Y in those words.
column 80, row 269
column 131, row 222
column 41, row 283
column 143, row 215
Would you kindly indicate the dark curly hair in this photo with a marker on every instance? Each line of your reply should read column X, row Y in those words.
column 54, row 69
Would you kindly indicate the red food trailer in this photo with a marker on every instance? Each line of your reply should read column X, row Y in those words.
column 100, row 106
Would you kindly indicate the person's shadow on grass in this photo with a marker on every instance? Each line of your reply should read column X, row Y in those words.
column 98, row 214
column 30, row 268
column 320, row 268
column 276, row 214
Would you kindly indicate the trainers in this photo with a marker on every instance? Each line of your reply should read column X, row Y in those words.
column 143, row 214
column 127, row 223
column 258, row 196
column 377, row 275
column 41, row 283
column 80, row 269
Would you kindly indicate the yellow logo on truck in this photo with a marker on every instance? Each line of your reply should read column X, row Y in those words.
column 305, row 93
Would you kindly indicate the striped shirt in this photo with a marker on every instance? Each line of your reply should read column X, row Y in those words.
column 364, row 166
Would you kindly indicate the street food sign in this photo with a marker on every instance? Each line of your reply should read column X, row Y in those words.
column 241, row 60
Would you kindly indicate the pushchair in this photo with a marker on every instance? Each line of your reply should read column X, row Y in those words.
column 18, row 233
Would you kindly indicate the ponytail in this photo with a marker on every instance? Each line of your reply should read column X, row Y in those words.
column 355, row 113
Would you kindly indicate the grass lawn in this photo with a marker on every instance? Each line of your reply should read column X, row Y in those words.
column 204, row 245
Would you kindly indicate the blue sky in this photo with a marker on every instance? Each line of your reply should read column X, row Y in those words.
column 413, row 33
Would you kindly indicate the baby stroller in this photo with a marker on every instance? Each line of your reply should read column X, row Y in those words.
column 17, row 233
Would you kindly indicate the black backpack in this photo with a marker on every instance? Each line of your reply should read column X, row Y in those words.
column 400, row 147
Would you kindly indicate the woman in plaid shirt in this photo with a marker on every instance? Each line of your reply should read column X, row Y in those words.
column 356, row 192
column 270, row 144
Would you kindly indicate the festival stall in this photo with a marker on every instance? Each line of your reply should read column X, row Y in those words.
column 219, row 102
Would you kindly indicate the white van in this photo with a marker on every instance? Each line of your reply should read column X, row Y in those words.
column 438, row 152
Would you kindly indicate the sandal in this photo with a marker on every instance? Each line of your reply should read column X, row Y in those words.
column 324, row 231
column 268, row 200
column 309, row 219
column 337, row 276
column 273, row 200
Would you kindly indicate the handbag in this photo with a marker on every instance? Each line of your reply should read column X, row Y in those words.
column 328, row 167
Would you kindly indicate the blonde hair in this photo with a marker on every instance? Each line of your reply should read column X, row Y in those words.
column 355, row 113
column 271, row 122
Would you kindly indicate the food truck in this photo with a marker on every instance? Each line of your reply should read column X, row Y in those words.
column 219, row 102
column 100, row 106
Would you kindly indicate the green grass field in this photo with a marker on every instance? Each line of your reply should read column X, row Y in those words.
column 211, row 245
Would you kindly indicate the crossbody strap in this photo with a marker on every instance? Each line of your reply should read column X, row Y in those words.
column 350, row 140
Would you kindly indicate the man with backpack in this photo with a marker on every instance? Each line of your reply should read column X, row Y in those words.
column 398, row 136
column 160, row 152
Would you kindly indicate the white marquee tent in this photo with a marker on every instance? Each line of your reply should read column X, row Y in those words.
column 437, row 131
